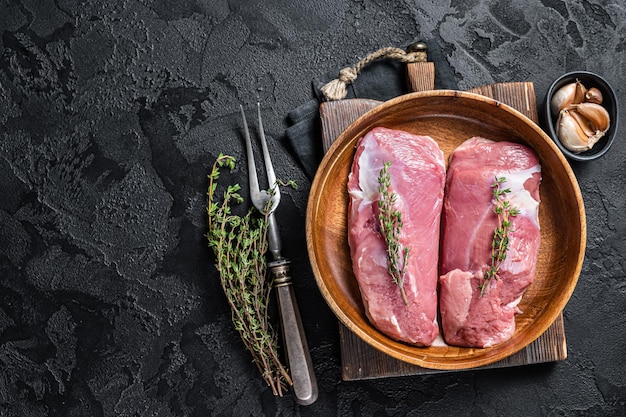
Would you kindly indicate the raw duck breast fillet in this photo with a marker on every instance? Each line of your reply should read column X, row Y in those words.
column 418, row 178
column 468, row 221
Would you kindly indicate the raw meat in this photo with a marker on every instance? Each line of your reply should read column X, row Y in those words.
column 418, row 178
column 468, row 222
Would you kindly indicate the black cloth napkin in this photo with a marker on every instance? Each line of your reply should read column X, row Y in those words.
column 380, row 80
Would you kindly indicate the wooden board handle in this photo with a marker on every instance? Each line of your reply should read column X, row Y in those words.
column 421, row 76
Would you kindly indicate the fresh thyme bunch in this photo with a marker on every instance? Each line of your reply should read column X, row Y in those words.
column 390, row 221
column 500, row 243
column 240, row 245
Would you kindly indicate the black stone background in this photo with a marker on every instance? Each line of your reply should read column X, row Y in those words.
column 111, row 114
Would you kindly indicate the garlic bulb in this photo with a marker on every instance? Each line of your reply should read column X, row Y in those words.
column 582, row 119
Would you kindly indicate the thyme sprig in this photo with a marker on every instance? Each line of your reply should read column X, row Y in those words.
column 240, row 245
column 500, row 243
column 390, row 220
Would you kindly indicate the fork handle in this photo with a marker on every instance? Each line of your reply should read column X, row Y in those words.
column 297, row 351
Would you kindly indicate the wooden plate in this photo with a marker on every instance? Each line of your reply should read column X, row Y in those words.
column 449, row 117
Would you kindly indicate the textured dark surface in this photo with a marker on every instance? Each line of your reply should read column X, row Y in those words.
column 111, row 114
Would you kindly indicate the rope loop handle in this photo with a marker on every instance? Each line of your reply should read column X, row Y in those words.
column 337, row 88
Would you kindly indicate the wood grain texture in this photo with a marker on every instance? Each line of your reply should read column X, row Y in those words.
column 363, row 361
column 421, row 76
column 337, row 115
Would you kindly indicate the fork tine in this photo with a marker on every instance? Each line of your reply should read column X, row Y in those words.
column 269, row 168
column 255, row 191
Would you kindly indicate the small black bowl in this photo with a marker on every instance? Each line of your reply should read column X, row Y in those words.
column 609, row 102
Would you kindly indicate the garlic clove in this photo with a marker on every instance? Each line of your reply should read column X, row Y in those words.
column 593, row 95
column 563, row 97
column 581, row 92
column 570, row 133
column 571, row 93
column 597, row 115
column 583, row 122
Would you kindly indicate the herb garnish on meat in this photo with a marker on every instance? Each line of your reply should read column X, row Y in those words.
column 500, row 243
column 390, row 221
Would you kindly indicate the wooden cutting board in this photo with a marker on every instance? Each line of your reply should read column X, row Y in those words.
column 362, row 361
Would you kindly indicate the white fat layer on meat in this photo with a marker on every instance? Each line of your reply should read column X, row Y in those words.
column 364, row 256
column 515, row 302
column 370, row 165
column 519, row 196
column 394, row 320
column 439, row 342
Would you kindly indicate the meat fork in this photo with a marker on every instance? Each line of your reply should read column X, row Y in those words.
column 297, row 351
